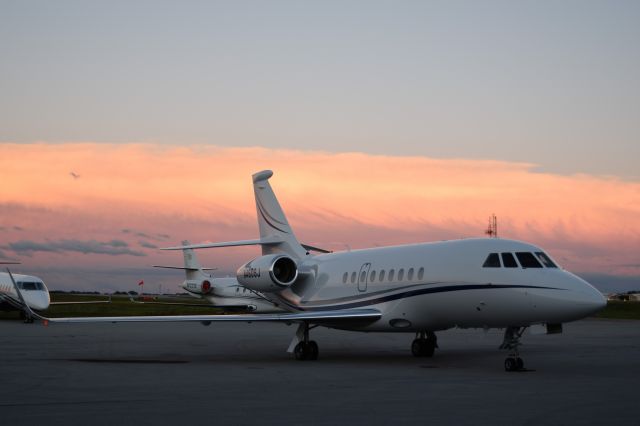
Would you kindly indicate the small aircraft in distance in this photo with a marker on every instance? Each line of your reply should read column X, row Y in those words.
column 223, row 293
column 415, row 288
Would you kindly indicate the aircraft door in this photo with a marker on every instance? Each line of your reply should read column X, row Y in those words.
column 363, row 276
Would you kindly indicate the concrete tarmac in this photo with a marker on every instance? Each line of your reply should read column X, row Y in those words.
column 126, row 374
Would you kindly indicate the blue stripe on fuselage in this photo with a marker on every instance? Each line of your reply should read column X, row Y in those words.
column 407, row 294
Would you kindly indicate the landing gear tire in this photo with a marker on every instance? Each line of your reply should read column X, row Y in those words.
column 422, row 348
column 416, row 347
column 313, row 350
column 511, row 342
column 513, row 364
column 300, row 352
column 519, row 363
column 306, row 351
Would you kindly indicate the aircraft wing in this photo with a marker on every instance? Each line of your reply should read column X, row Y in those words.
column 199, row 305
column 364, row 315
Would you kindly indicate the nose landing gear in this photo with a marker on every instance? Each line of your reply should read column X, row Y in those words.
column 26, row 317
column 511, row 341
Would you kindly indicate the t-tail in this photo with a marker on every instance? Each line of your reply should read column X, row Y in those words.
column 192, row 268
column 272, row 222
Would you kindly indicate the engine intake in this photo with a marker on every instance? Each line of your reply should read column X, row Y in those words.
column 273, row 272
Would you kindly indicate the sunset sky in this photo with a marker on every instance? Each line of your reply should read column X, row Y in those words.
column 384, row 122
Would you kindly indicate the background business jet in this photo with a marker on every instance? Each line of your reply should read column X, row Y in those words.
column 27, row 289
column 28, row 293
column 223, row 293
column 416, row 288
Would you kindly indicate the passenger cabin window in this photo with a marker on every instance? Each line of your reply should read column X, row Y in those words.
column 345, row 277
column 381, row 276
column 546, row 260
column 400, row 274
column 528, row 260
column 493, row 261
column 410, row 274
column 420, row 273
column 353, row 277
column 391, row 274
column 509, row 261
column 372, row 276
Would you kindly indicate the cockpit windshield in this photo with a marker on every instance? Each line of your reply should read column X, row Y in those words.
column 526, row 260
column 30, row 285
column 546, row 260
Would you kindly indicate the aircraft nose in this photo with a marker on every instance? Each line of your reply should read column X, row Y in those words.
column 38, row 300
column 590, row 300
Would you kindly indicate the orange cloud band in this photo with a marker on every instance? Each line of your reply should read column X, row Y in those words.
column 589, row 223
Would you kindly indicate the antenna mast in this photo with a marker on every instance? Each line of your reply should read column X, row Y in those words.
column 492, row 229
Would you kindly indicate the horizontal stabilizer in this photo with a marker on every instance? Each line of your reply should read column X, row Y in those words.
column 264, row 241
column 183, row 268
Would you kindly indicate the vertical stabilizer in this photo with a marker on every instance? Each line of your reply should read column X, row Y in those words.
column 191, row 264
column 272, row 222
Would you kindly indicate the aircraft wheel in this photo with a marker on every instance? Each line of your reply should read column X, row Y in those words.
column 300, row 351
column 510, row 364
column 417, row 347
column 429, row 349
column 519, row 363
column 313, row 350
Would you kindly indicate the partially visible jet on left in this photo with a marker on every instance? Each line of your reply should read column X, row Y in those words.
column 33, row 292
column 32, row 289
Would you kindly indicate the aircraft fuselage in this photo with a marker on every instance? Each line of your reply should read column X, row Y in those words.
column 435, row 286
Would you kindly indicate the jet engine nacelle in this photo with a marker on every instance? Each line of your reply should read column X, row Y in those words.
column 273, row 272
column 197, row 286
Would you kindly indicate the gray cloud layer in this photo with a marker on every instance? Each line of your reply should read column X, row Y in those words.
column 156, row 237
column 148, row 245
column 112, row 248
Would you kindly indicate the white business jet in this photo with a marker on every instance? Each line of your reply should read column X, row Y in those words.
column 33, row 292
column 26, row 293
column 224, row 293
column 417, row 288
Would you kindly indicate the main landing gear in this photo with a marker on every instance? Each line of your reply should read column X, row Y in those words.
column 424, row 344
column 511, row 342
column 305, row 349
